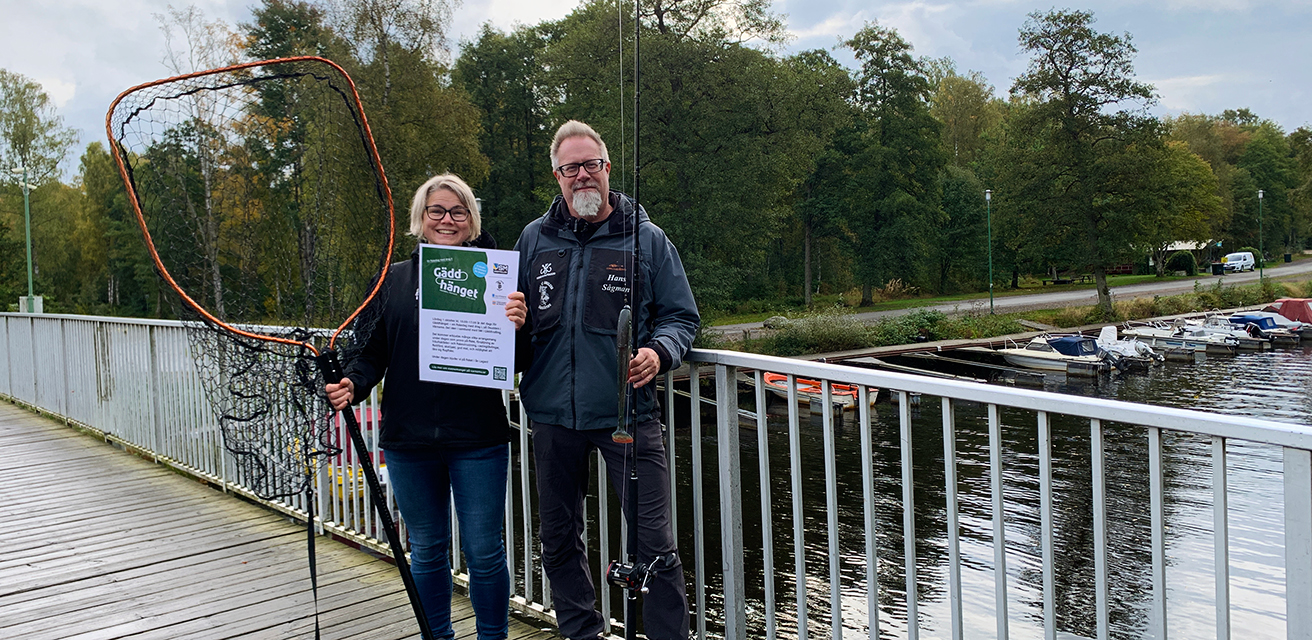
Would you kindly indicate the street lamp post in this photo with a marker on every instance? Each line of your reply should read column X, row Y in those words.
column 1261, row 250
column 27, row 223
column 988, row 208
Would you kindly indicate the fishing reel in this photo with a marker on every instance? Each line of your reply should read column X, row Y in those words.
column 634, row 576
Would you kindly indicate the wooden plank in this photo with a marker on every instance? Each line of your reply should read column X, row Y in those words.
column 197, row 600
column 89, row 592
column 100, row 544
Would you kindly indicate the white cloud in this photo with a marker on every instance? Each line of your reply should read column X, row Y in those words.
column 60, row 91
column 833, row 27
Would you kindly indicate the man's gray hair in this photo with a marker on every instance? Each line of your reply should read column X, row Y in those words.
column 576, row 129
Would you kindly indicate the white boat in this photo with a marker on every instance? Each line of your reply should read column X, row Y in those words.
column 1159, row 335
column 1219, row 325
column 1128, row 353
column 1077, row 355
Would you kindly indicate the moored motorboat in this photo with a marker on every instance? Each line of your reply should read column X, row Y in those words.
column 1295, row 310
column 1159, row 335
column 1128, row 354
column 1218, row 325
column 1075, row 355
column 1272, row 326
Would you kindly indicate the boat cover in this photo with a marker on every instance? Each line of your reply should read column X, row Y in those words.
column 1265, row 323
column 1299, row 309
column 1074, row 345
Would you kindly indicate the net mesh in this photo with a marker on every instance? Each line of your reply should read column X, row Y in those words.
column 260, row 191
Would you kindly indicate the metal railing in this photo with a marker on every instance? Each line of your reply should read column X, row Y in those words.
column 883, row 559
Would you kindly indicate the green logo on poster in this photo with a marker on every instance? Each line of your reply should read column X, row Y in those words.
column 449, row 280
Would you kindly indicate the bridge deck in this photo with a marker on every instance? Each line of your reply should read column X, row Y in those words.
column 97, row 544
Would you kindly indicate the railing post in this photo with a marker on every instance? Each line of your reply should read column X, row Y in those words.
column 1157, row 519
column 67, row 396
column 156, row 421
column 731, row 505
column 1045, row 528
column 908, row 514
column 698, row 500
column 1298, row 543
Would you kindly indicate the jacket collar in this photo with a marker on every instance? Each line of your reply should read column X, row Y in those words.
column 619, row 222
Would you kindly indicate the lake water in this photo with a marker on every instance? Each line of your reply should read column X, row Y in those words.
column 1275, row 385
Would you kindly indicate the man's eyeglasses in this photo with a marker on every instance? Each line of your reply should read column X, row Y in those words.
column 572, row 169
column 458, row 214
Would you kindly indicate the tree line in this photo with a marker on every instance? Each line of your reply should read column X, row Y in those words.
column 776, row 175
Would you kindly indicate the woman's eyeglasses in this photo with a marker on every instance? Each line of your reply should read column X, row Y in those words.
column 436, row 213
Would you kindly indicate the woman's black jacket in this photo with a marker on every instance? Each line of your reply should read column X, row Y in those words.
column 417, row 414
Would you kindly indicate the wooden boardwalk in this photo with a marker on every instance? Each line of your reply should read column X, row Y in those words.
column 97, row 544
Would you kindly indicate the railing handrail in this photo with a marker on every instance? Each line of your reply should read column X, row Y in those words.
column 1298, row 436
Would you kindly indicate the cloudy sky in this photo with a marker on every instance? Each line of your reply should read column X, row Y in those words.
column 1203, row 56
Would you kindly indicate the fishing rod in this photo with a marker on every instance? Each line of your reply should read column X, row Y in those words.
column 631, row 575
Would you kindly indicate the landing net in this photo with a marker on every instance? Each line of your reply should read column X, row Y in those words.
column 265, row 208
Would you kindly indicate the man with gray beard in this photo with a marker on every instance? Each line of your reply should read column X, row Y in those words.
column 576, row 270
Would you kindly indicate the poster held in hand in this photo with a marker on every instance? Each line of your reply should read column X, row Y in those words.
column 465, row 337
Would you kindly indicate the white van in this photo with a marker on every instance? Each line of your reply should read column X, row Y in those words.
column 1241, row 261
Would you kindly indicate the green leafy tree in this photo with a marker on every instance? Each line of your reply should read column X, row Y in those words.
column 12, row 271
column 287, row 28
column 895, row 159
column 1077, row 155
column 32, row 135
column 1300, row 197
column 1271, row 167
column 1182, row 202
column 716, row 21
column 378, row 30
column 128, row 274
column 961, row 248
column 503, row 77
column 819, row 209
column 966, row 108
column 1220, row 144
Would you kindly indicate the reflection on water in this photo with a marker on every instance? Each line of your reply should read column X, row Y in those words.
column 1273, row 385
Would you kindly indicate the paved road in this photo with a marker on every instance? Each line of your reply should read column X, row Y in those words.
column 1296, row 271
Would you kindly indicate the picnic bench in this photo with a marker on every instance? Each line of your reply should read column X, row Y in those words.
column 1086, row 278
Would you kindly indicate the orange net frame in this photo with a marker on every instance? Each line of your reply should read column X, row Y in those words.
column 266, row 211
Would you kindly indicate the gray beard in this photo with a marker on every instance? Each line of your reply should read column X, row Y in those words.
column 587, row 204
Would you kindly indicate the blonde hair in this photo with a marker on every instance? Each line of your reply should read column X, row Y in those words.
column 451, row 182
column 576, row 129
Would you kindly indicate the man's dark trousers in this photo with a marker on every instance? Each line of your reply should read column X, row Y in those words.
column 561, row 455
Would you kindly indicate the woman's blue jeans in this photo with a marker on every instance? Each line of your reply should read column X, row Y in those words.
column 424, row 483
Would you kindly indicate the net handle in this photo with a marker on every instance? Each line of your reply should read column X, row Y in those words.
column 150, row 243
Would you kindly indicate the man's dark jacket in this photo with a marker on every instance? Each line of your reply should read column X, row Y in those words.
column 575, row 279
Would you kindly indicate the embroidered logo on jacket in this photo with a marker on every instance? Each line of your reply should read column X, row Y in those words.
column 544, row 300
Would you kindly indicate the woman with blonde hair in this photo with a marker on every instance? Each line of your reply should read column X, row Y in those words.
column 443, row 443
